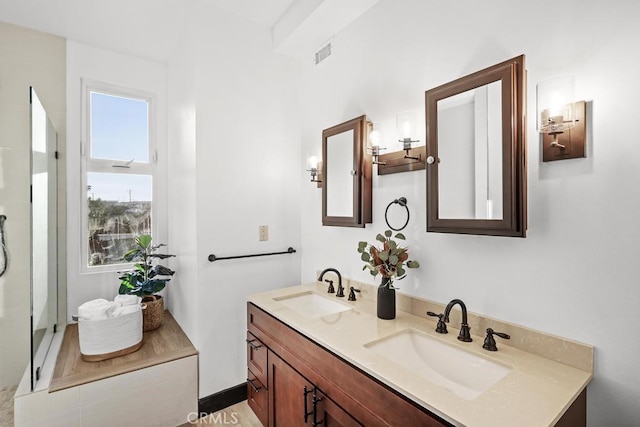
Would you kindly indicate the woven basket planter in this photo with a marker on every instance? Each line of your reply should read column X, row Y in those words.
column 154, row 312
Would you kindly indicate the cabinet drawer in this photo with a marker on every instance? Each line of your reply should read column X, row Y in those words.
column 257, row 358
column 258, row 398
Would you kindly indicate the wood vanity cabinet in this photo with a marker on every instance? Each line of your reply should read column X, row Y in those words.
column 296, row 401
column 344, row 395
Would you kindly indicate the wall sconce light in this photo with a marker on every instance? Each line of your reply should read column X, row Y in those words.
column 406, row 125
column 374, row 147
column 410, row 158
column 560, row 119
column 315, row 168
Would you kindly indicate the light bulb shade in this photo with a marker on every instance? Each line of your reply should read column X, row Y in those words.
column 375, row 137
column 406, row 125
column 312, row 162
column 555, row 101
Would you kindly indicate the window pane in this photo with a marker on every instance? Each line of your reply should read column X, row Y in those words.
column 119, row 128
column 119, row 208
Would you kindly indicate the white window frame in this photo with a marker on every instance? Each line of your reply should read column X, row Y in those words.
column 89, row 164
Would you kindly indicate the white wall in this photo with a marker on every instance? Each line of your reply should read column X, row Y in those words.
column 577, row 272
column 182, row 194
column 233, row 116
column 27, row 58
column 86, row 62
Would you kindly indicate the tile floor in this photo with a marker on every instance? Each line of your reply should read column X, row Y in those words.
column 238, row 415
column 6, row 406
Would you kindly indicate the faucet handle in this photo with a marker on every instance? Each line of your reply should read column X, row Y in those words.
column 490, row 342
column 331, row 290
column 352, row 295
column 441, row 327
column 340, row 292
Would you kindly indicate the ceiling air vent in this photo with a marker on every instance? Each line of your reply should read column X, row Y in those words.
column 323, row 53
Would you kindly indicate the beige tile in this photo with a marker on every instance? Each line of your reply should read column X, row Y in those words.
column 6, row 405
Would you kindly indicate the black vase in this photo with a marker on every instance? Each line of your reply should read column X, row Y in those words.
column 386, row 300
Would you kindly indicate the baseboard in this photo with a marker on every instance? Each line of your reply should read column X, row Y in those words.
column 222, row 399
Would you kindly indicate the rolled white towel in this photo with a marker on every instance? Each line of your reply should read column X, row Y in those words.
column 125, row 309
column 121, row 300
column 97, row 309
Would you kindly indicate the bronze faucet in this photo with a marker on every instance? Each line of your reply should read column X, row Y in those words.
column 340, row 292
column 464, row 334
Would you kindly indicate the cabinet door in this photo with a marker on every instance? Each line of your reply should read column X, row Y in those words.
column 328, row 414
column 288, row 402
column 294, row 401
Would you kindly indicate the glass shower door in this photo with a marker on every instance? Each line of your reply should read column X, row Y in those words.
column 44, row 238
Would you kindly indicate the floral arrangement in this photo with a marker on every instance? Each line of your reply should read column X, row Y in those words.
column 389, row 260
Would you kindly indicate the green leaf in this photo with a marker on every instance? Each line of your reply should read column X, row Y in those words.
column 155, row 247
column 393, row 259
column 365, row 257
column 392, row 244
column 380, row 238
column 133, row 254
column 383, row 255
column 160, row 270
column 160, row 256
column 401, row 271
column 362, row 245
column 400, row 236
column 124, row 289
column 374, row 273
column 413, row 264
column 388, row 233
column 143, row 240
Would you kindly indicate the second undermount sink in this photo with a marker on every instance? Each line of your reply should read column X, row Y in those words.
column 463, row 373
column 312, row 305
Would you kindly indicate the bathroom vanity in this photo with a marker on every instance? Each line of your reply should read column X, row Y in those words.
column 320, row 360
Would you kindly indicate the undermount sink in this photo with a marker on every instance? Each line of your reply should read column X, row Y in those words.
column 312, row 305
column 464, row 374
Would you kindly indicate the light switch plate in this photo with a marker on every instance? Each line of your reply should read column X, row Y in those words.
column 263, row 233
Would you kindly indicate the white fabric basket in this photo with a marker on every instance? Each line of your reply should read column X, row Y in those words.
column 101, row 337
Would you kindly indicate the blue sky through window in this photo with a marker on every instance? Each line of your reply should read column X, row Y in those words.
column 119, row 128
column 119, row 187
column 119, row 131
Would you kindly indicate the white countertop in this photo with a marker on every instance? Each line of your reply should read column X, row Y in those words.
column 536, row 392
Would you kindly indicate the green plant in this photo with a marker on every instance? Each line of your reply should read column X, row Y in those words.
column 389, row 260
column 145, row 278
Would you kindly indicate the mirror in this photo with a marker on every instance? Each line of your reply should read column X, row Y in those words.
column 476, row 173
column 44, row 225
column 346, row 171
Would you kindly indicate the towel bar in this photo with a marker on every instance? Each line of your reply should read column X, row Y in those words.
column 213, row 258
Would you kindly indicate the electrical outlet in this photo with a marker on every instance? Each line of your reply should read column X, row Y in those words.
column 263, row 233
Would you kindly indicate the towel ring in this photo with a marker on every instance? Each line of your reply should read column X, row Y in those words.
column 402, row 201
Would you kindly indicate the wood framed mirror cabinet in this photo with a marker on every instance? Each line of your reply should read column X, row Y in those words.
column 476, row 157
column 346, row 171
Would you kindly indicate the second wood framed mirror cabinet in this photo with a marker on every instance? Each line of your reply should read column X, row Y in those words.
column 476, row 165
column 346, row 172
